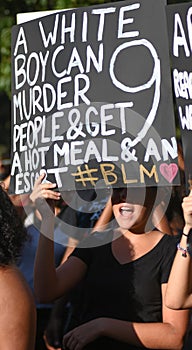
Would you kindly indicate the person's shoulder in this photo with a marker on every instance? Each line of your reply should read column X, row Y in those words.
column 18, row 314
column 14, row 288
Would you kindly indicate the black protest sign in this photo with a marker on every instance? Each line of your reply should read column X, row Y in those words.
column 91, row 98
column 179, row 18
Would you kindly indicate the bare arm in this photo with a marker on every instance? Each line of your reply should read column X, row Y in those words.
column 51, row 283
column 105, row 217
column 72, row 243
column 17, row 312
column 179, row 291
column 168, row 334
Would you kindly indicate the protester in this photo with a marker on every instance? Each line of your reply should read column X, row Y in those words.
column 179, row 291
column 83, row 213
column 25, row 264
column 124, row 273
column 18, row 315
column 62, row 312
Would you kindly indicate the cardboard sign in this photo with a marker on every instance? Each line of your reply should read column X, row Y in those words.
column 92, row 100
column 180, row 42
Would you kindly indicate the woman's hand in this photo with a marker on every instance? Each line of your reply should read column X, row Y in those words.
column 80, row 336
column 44, row 197
column 51, row 347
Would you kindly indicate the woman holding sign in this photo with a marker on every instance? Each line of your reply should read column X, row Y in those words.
column 179, row 291
column 123, row 271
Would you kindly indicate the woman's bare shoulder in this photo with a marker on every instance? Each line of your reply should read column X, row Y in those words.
column 13, row 283
column 17, row 311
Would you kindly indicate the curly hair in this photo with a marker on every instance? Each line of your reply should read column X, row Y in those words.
column 12, row 231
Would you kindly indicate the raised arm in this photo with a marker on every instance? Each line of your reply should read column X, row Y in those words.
column 49, row 282
column 179, row 291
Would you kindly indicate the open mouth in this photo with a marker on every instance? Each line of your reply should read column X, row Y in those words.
column 125, row 211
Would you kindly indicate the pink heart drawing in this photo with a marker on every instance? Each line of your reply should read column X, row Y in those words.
column 169, row 171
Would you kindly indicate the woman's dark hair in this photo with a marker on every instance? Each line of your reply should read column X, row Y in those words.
column 12, row 231
column 140, row 195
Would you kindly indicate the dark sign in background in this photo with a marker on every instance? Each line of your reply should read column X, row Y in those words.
column 180, row 41
column 92, row 100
